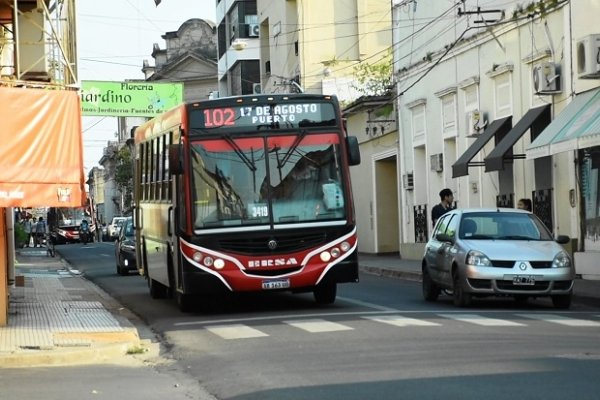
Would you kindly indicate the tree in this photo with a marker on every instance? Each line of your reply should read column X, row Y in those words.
column 124, row 175
column 374, row 79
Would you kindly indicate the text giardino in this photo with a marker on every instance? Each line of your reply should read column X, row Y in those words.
column 110, row 96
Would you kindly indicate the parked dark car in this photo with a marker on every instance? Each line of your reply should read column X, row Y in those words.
column 125, row 248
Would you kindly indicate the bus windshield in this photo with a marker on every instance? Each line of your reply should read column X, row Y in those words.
column 287, row 179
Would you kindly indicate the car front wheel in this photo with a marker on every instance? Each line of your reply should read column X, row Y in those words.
column 562, row 301
column 460, row 297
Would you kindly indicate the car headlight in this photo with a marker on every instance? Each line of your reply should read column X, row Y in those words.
column 561, row 260
column 478, row 259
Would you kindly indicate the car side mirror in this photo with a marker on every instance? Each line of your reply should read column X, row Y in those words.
column 443, row 237
column 563, row 239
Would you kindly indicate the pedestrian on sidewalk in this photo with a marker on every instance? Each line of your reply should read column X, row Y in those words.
column 445, row 205
column 28, row 226
column 40, row 232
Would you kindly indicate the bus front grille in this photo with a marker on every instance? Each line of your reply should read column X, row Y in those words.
column 260, row 245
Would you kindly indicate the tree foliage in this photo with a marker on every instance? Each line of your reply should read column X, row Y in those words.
column 124, row 173
column 374, row 79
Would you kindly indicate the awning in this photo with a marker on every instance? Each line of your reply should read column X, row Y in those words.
column 461, row 166
column 41, row 156
column 576, row 127
column 536, row 119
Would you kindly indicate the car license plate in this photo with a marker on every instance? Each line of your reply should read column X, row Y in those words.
column 524, row 280
column 276, row 284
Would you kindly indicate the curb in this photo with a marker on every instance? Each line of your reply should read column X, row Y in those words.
column 72, row 356
column 392, row 273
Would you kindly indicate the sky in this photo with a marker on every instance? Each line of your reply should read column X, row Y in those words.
column 113, row 39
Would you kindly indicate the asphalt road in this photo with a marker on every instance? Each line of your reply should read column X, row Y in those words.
column 380, row 340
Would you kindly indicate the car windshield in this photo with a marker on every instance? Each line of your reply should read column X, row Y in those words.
column 502, row 226
column 128, row 229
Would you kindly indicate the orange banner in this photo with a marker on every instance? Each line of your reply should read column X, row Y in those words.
column 41, row 148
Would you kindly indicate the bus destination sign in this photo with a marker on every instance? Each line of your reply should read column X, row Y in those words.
column 272, row 115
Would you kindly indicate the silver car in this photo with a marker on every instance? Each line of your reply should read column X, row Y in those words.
column 496, row 252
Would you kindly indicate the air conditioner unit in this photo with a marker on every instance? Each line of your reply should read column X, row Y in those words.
column 546, row 79
column 408, row 181
column 253, row 30
column 588, row 57
column 256, row 88
column 436, row 162
column 475, row 123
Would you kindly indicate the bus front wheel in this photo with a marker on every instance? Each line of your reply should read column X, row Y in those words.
column 184, row 301
column 157, row 290
column 325, row 293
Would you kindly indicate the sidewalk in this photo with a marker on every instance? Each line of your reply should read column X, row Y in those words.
column 58, row 317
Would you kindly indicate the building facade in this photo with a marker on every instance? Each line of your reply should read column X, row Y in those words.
column 238, row 48
column 476, row 91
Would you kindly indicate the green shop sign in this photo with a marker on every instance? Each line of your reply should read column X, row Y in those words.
column 129, row 99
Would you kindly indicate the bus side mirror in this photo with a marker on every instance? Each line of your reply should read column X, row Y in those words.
column 353, row 150
column 175, row 164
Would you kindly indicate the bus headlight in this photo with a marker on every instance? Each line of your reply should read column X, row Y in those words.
column 345, row 246
column 219, row 263
column 325, row 256
column 335, row 252
column 197, row 257
column 208, row 261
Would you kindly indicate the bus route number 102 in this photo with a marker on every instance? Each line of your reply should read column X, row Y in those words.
column 216, row 117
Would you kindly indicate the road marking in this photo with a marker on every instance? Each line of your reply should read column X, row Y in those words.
column 367, row 304
column 480, row 320
column 236, row 331
column 318, row 325
column 561, row 320
column 398, row 320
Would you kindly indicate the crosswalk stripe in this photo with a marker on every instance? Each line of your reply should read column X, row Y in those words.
column 236, row 331
column 480, row 320
column 318, row 325
column 398, row 320
column 561, row 320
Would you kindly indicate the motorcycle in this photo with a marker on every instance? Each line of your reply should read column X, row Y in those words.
column 85, row 235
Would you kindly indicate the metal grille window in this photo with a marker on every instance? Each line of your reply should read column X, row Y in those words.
column 421, row 226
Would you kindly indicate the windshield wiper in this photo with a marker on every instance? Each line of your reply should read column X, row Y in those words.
column 515, row 237
column 249, row 163
column 291, row 150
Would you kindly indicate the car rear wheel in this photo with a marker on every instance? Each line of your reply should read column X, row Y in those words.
column 562, row 301
column 460, row 297
column 431, row 291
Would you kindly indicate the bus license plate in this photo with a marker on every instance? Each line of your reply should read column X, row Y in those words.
column 276, row 284
column 524, row 280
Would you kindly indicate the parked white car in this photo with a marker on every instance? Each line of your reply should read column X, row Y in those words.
column 496, row 252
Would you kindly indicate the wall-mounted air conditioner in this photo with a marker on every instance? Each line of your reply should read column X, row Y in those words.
column 546, row 79
column 408, row 181
column 256, row 88
column 475, row 123
column 588, row 57
column 436, row 162
column 253, row 30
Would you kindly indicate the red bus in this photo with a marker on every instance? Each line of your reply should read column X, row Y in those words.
column 246, row 194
